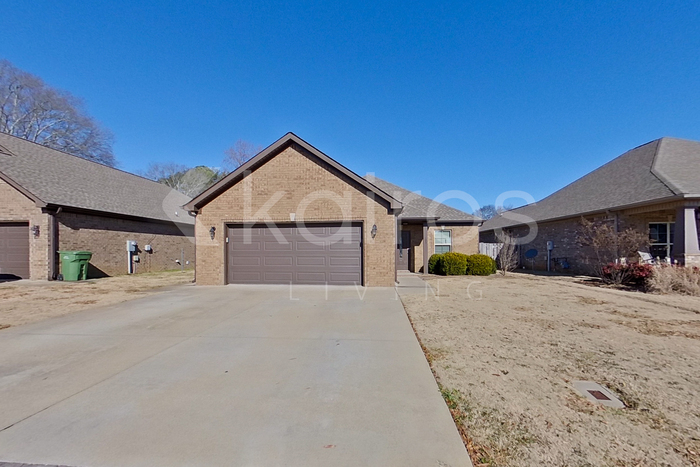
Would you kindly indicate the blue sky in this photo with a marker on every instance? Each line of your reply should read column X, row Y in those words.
column 482, row 97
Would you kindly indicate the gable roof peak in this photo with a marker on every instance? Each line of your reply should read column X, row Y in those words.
column 271, row 151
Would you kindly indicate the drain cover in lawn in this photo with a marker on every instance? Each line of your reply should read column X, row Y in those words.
column 594, row 392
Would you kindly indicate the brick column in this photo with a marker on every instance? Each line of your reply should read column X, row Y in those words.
column 685, row 244
column 425, row 248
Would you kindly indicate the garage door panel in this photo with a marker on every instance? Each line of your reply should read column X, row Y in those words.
column 340, row 261
column 311, row 277
column 345, row 277
column 276, row 246
column 15, row 256
column 243, row 246
column 246, row 277
column 254, row 232
column 313, row 231
column 306, row 246
column 311, row 261
column 245, row 260
column 278, row 277
column 315, row 255
column 350, row 246
column 278, row 261
column 14, row 250
column 344, row 231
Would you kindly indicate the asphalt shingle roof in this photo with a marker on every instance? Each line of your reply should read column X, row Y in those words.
column 418, row 206
column 60, row 179
column 661, row 169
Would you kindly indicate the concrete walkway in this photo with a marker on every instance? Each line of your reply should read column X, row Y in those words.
column 236, row 375
column 409, row 282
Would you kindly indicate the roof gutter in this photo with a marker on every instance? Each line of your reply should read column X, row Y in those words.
column 113, row 215
column 598, row 211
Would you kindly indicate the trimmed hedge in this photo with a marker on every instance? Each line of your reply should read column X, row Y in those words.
column 457, row 264
column 435, row 264
column 480, row 265
column 454, row 264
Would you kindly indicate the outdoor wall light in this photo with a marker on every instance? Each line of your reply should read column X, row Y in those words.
column 212, row 232
column 35, row 231
column 374, row 230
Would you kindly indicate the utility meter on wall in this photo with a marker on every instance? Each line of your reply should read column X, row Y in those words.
column 550, row 245
column 131, row 246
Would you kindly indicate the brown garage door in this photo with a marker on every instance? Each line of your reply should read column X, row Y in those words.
column 319, row 254
column 14, row 251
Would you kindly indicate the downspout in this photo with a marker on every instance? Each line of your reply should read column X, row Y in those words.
column 194, row 239
column 52, row 246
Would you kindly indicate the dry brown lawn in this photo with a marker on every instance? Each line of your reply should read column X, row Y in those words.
column 29, row 301
column 506, row 364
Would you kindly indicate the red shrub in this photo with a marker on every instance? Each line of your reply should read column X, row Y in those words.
column 635, row 274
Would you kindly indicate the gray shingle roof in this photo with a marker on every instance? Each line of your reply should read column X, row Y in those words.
column 56, row 178
column 417, row 206
column 678, row 165
column 660, row 169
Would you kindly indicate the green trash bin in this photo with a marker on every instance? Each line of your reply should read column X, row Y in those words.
column 74, row 265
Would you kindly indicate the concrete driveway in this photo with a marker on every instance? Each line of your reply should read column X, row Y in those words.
column 236, row 375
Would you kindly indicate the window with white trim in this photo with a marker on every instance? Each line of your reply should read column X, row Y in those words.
column 661, row 235
column 443, row 241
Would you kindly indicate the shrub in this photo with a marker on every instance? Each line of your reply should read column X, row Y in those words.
column 480, row 265
column 435, row 264
column 603, row 245
column 675, row 279
column 634, row 274
column 454, row 264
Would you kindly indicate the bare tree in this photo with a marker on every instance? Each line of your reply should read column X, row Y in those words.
column 489, row 211
column 606, row 245
column 190, row 181
column 240, row 153
column 32, row 110
column 507, row 259
column 164, row 173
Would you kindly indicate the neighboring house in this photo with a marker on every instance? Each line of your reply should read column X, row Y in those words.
column 52, row 201
column 654, row 188
column 294, row 215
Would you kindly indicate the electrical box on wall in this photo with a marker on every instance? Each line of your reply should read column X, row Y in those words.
column 131, row 246
column 550, row 245
column 148, row 249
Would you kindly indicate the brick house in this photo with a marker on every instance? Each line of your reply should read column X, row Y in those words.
column 654, row 188
column 294, row 215
column 52, row 201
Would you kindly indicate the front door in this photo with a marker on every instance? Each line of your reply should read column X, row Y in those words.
column 404, row 247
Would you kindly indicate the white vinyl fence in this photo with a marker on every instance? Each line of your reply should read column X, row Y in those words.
column 490, row 249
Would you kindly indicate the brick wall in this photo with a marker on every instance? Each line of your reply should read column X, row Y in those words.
column 14, row 206
column 565, row 235
column 305, row 188
column 106, row 238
